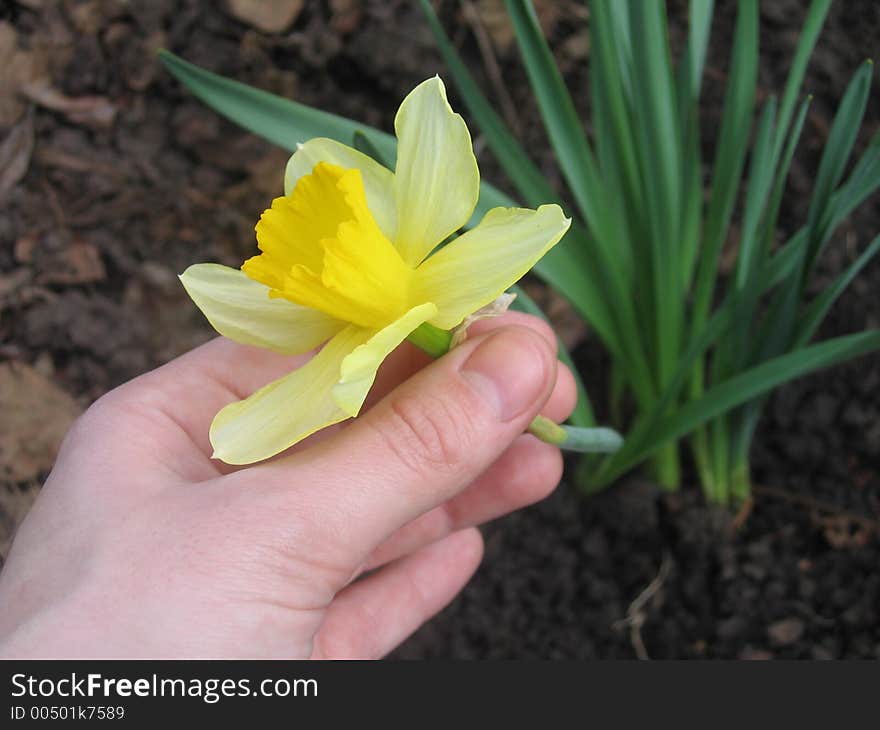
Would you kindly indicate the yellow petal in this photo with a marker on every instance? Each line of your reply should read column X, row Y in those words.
column 356, row 274
column 378, row 180
column 240, row 308
column 290, row 232
column 437, row 181
column 287, row 410
column 478, row 266
column 359, row 368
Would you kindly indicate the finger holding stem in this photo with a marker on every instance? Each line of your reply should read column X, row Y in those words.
column 437, row 342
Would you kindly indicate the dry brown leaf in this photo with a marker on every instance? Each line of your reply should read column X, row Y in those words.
column 14, row 504
column 79, row 263
column 20, row 67
column 15, row 153
column 91, row 111
column 53, row 157
column 36, row 415
column 270, row 16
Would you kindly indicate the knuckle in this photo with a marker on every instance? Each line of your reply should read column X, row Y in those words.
column 89, row 423
column 107, row 414
column 114, row 405
column 427, row 434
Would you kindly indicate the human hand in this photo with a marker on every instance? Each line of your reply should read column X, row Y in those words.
column 141, row 545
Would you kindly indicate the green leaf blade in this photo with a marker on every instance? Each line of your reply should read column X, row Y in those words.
column 740, row 389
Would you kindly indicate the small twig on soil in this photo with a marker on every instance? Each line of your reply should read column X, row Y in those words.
column 54, row 204
column 493, row 70
column 817, row 504
column 742, row 514
column 635, row 615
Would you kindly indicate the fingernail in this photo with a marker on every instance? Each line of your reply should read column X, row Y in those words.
column 509, row 371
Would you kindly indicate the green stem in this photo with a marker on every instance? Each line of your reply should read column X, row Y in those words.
column 740, row 482
column 720, row 447
column 431, row 339
column 700, row 449
column 666, row 466
column 436, row 343
column 572, row 438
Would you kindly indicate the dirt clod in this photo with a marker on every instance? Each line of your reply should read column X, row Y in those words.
column 785, row 632
column 271, row 16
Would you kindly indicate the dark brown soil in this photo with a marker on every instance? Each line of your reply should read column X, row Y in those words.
column 116, row 179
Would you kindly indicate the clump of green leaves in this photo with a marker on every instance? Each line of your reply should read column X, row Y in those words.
column 696, row 358
column 641, row 263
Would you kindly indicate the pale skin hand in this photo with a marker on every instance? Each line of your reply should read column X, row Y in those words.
column 140, row 545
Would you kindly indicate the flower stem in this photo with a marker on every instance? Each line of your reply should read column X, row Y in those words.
column 431, row 339
column 572, row 438
column 436, row 342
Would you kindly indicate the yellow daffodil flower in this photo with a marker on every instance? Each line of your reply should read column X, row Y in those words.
column 345, row 260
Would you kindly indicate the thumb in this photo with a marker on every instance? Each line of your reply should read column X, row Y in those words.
column 431, row 436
